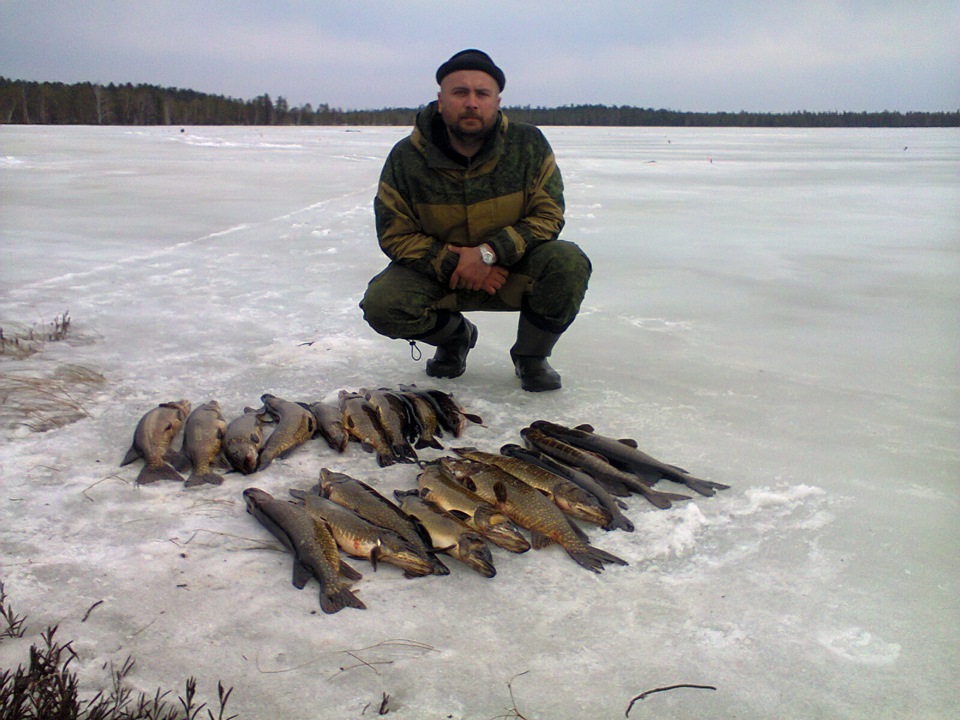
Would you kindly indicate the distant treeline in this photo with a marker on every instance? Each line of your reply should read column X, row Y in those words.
column 46, row 103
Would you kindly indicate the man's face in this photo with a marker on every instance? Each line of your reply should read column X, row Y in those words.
column 469, row 101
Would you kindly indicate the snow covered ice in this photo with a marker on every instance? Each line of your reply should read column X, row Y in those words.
column 771, row 309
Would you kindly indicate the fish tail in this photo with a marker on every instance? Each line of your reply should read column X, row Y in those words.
column 337, row 600
column 132, row 454
column 593, row 558
column 210, row 478
column 704, row 487
column 662, row 500
column 152, row 474
column 620, row 522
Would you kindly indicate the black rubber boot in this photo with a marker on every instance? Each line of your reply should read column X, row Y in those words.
column 529, row 355
column 454, row 340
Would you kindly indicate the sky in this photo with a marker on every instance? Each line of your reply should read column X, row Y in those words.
column 707, row 56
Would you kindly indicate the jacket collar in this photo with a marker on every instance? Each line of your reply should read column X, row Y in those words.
column 439, row 154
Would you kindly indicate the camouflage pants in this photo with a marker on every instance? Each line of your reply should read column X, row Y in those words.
column 547, row 285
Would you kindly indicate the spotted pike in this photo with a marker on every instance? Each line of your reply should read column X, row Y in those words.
column 330, row 421
column 374, row 507
column 152, row 439
column 295, row 425
column 528, row 508
column 578, row 477
column 243, row 440
column 479, row 515
column 361, row 423
column 625, row 455
column 447, row 533
column 569, row 497
column 203, row 434
column 361, row 538
column 599, row 467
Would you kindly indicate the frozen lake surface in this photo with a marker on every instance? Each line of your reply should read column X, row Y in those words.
column 772, row 309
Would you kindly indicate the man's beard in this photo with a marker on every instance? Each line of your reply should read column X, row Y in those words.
column 457, row 130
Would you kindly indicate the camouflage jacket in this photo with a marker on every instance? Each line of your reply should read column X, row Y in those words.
column 510, row 195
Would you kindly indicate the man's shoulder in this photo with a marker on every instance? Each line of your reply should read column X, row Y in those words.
column 525, row 132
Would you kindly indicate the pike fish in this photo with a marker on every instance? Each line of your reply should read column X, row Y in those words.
column 436, row 488
column 295, row 425
column 361, row 538
column 313, row 547
column 151, row 441
column 625, row 455
column 597, row 466
column 361, row 423
column 578, row 477
column 374, row 507
column 203, row 434
column 395, row 418
column 243, row 440
column 568, row 496
column 528, row 508
column 330, row 420
column 447, row 533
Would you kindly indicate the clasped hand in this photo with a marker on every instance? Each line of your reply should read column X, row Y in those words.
column 473, row 274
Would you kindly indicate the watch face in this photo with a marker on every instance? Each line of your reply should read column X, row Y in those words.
column 486, row 255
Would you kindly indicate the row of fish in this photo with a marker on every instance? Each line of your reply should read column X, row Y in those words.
column 392, row 424
column 464, row 503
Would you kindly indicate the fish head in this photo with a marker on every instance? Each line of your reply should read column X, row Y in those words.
column 474, row 551
column 254, row 498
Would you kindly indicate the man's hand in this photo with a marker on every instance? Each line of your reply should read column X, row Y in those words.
column 473, row 274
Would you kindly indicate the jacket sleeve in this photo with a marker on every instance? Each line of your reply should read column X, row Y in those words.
column 542, row 220
column 400, row 232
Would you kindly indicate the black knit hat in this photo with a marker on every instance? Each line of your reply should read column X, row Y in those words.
column 472, row 60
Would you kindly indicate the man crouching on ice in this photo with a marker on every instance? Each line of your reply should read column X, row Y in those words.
column 469, row 210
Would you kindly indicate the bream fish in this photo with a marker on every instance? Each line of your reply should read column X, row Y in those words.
column 152, row 439
column 295, row 425
column 243, row 439
column 203, row 434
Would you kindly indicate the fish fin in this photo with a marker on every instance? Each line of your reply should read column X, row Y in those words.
column 473, row 418
column 662, row 500
column 151, row 475
column 629, row 442
column 500, row 491
column 132, row 454
column 578, row 530
column 210, row 478
column 350, row 572
column 179, row 459
column 339, row 599
column 439, row 568
column 620, row 522
column 539, row 540
column 300, row 574
column 585, row 427
column 460, row 515
column 386, row 459
column 401, row 494
column 704, row 487
column 375, row 557
column 604, row 557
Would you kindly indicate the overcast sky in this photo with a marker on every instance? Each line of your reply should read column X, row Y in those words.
column 712, row 55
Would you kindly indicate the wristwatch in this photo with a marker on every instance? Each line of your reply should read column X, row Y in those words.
column 486, row 254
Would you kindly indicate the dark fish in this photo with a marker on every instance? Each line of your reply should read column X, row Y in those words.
column 425, row 415
column 394, row 415
column 295, row 425
column 243, row 440
column 451, row 416
column 152, row 439
column 313, row 547
column 578, row 477
column 625, row 455
column 528, row 508
column 597, row 466
column 203, row 434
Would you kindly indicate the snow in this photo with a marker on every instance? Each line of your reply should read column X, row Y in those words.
column 772, row 309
